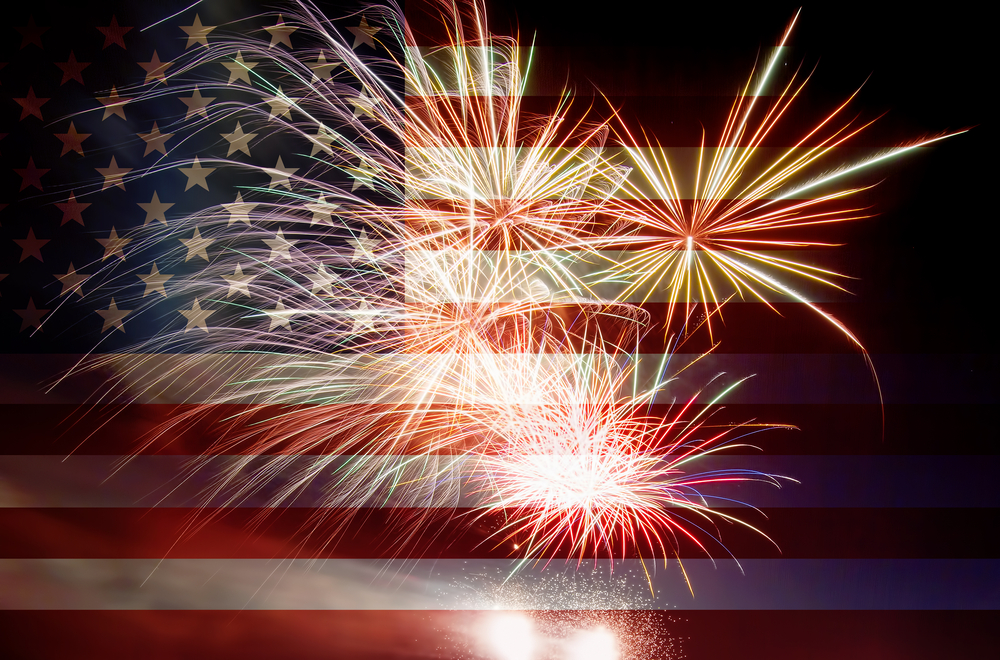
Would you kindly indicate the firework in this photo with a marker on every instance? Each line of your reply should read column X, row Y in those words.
column 558, row 609
column 416, row 312
column 723, row 236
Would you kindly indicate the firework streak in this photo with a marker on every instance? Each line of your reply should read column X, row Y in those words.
column 394, row 331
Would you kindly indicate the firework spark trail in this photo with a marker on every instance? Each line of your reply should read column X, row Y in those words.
column 560, row 605
column 741, row 205
column 575, row 467
column 329, row 283
column 403, row 301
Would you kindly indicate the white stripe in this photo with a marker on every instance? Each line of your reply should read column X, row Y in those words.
column 403, row 378
column 565, row 276
column 467, row 584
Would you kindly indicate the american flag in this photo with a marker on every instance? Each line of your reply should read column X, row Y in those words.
column 887, row 546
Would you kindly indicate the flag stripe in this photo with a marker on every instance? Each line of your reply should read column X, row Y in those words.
column 834, row 481
column 674, row 121
column 146, row 429
column 420, row 584
column 385, row 634
column 771, row 378
column 247, row 533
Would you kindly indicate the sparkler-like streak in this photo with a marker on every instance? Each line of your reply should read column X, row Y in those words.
column 561, row 609
column 405, row 313
column 578, row 470
column 719, row 241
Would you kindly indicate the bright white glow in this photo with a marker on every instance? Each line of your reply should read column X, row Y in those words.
column 511, row 637
column 597, row 644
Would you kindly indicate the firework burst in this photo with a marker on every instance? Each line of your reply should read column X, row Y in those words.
column 723, row 238
column 409, row 312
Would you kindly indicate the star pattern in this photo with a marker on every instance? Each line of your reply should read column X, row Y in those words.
column 280, row 247
column 31, row 175
column 72, row 282
column 281, row 33
column 278, row 317
column 364, row 33
column 114, row 104
column 31, row 246
column 239, row 69
column 154, row 281
column 197, row 33
column 239, row 211
column 31, row 34
column 323, row 281
column 280, row 175
column 114, row 176
column 239, row 282
column 197, row 105
column 322, row 211
column 364, row 247
column 155, row 141
column 322, row 68
column 114, row 245
column 238, row 140
column 72, row 140
column 114, row 34
column 113, row 317
column 155, row 69
column 31, row 316
column 196, row 246
column 31, row 105
column 197, row 318
column 197, row 174
column 281, row 106
column 72, row 209
column 155, row 209
column 72, row 70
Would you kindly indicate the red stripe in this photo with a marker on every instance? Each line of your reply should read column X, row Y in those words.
column 510, row 225
column 395, row 634
column 61, row 430
column 801, row 533
column 669, row 120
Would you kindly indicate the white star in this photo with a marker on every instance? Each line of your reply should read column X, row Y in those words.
column 197, row 174
column 238, row 69
column 279, row 317
column 322, row 140
column 363, row 104
column 281, row 106
column 321, row 68
column 239, row 284
column 196, row 316
column 323, row 281
column 280, row 32
column 363, row 174
column 113, row 245
column 364, row 247
column 238, row 140
column 196, row 245
column 113, row 317
column 72, row 281
column 197, row 33
column 364, row 317
column 154, row 282
column 155, row 209
column 239, row 211
column 280, row 247
column 321, row 210
column 196, row 104
column 279, row 174
column 363, row 33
